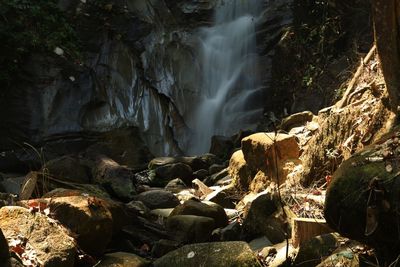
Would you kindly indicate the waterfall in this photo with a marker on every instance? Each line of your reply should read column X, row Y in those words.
column 230, row 98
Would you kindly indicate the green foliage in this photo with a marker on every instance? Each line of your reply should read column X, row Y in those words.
column 317, row 37
column 32, row 26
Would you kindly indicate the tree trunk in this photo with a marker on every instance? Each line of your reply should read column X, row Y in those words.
column 387, row 38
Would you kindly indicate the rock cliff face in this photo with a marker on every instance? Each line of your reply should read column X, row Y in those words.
column 140, row 68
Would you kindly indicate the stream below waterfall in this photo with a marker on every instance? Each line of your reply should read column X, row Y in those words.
column 230, row 97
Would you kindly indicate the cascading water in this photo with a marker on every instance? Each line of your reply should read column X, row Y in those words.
column 230, row 95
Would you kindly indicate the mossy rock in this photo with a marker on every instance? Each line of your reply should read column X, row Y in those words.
column 311, row 252
column 347, row 197
column 344, row 257
column 217, row 254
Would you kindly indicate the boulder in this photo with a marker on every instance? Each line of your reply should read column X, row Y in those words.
column 68, row 168
column 231, row 232
column 194, row 207
column 343, row 257
column 221, row 146
column 87, row 217
column 217, row 254
column 137, row 208
column 362, row 199
column 190, row 228
column 81, row 189
column 262, row 151
column 162, row 161
column 158, row 199
column 185, row 195
column 12, row 184
column 223, row 196
column 314, row 250
column 122, row 259
column 33, row 232
column 118, row 210
column 259, row 243
column 117, row 179
column 265, row 217
column 161, row 213
column 195, row 163
column 205, row 161
column 168, row 172
column 124, row 145
column 239, row 170
column 216, row 177
column 216, row 168
column 143, row 232
column 200, row 174
column 162, row 247
column 175, row 185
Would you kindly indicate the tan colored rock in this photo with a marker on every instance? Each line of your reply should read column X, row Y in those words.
column 260, row 182
column 88, row 217
column 239, row 170
column 48, row 239
column 123, row 259
column 258, row 149
column 118, row 210
column 262, row 151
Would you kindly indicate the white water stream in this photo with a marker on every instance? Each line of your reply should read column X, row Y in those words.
column 230, row 95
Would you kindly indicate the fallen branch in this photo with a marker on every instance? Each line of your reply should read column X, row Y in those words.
column 344, row 101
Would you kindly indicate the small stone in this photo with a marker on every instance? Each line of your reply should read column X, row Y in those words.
column 389, row 168
column 59, row 51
